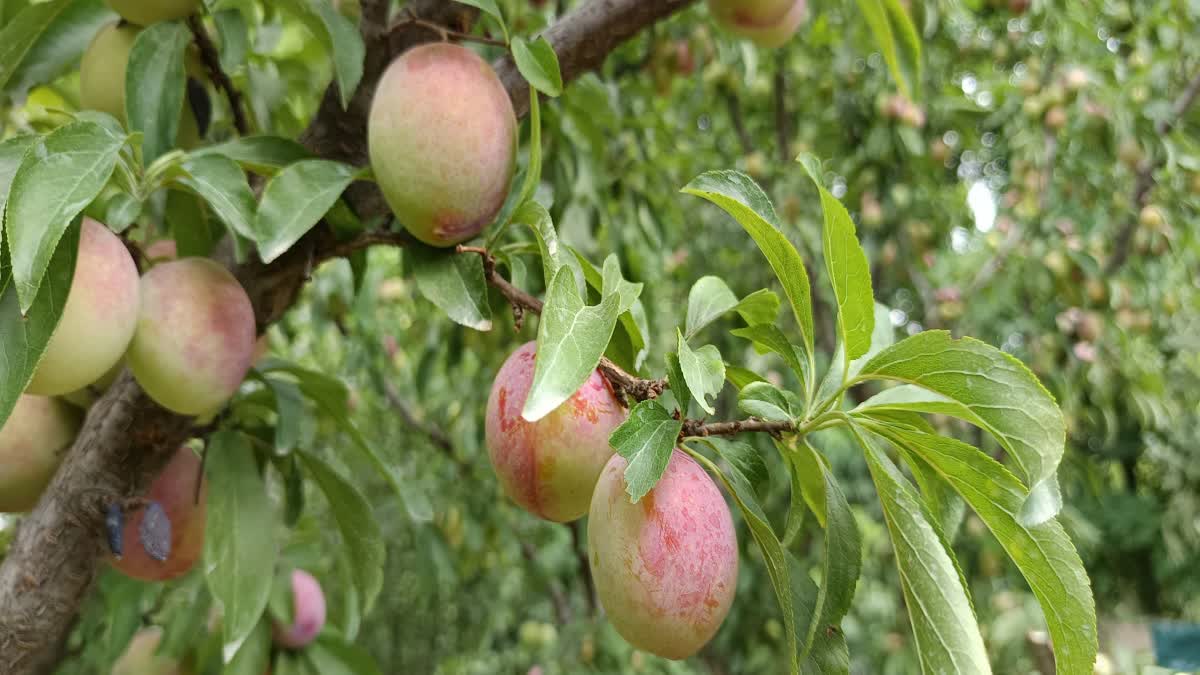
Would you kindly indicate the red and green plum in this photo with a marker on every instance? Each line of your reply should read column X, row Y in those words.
column 308, row 612
column 175, row 490
column 443, row 138
column 32, row 441
column 549, row 467
column 98, row 319
column 195, row 336
column 766, row 23
column 666, row 567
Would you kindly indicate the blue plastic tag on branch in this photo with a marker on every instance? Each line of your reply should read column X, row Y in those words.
column 155, row 532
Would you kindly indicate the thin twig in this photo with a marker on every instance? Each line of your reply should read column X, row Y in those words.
column 585, row 569
column 212, row 61
column 1145, row 175
column 698, row 428
column 445, row 33
column 435, row 435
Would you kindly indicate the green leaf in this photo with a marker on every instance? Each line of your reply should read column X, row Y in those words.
column 20, row 35
column 261, row 154
column 767, row 338
column 703, row 370
column 1042, row 552
column 295, row 200
column 492, row 9
column 23, row 339
column 779, row 570
column 289, row 408
column 846, row 264
column 646, row 439
column 12, row 153
column 743, row 458
column 533, row 172
column 330, row 656
column 338, row 35
column 677, row 384
column 222, row 183
column 194, row 232
column 988, row 388
column 765, row 400
column 743, row 199
column 255, row 654
column 572, row 337
column 56, row 48
column 233, row 38
column 239, row 541
column 885, row 18
column 538, row 65
column 155, row 81
column 761, row 306
column 843, row 549
column 882, row 337
column 360, row 531
column 709, row 298
column 737, row 376
column 947, row 635
column 615, row 283
column 910, row 39
column 455, row 283
column 553, row 255
column 57, row 179
column 828, row 653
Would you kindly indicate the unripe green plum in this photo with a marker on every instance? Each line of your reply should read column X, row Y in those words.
column 140, row 657
column 308, row 612
column 175, row 490
column 549, row 467
column 98, row 319
column 665, row 568
column 443, row 139
column 146, row 12
column 102, row 78
column 195, row 336
column 766, row 23
column 32, row 442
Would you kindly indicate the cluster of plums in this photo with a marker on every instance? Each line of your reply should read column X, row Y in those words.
column 185, row 329
column 666, row 567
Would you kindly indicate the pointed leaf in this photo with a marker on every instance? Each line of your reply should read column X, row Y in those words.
column 703, row 370
column 947, row 635
column 56, row 180
column 538, row 64
column 988, row 388
column 359, row 529
column 455, row 283
column 239, row 541
column 572, row 337
column 743, row 199
column 295, row 200
column 846, row 264
column 646, row 440
column 765, row 400
column 155, row 81
column 222, row 183
column 709, row 298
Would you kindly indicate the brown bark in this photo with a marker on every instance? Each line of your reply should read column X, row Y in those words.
column 127, row 438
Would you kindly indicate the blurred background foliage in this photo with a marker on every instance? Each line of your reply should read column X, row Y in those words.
column 992, row 204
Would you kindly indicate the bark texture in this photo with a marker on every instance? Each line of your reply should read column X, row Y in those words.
column 127, row 438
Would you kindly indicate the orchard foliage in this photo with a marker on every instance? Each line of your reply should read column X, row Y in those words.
column 744, row 259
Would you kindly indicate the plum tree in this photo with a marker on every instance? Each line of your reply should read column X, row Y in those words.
column 549, row 467
column 175, row 490
column 141, row 658
column 146, row 12
column 98, row 319
column 195, row 336
column 442, row 137
column 666, row 567
column 766, row 23
column 308, row 612
column 31, row 445
column 102, row 77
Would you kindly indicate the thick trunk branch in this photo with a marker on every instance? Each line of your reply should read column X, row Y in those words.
column 126, row 439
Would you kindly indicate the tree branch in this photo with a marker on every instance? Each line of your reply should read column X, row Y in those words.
column 127, row 438
column 698, row 428
column 212, row 61
column 1145, row 176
